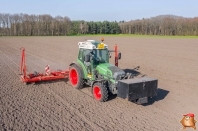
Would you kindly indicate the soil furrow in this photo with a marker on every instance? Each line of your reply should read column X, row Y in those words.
column 57, row 106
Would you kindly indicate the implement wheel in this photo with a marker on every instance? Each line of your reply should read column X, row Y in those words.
column 100, row 92
column 75, row 76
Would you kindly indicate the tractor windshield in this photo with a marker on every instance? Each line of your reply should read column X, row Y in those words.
column 101, row 55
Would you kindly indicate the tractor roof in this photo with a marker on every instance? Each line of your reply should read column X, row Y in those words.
column 91, row 44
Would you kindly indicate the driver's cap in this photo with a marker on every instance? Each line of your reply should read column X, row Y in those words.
column 189, row 114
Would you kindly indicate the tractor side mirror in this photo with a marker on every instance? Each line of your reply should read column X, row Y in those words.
column 119, row 55
column 87, row 58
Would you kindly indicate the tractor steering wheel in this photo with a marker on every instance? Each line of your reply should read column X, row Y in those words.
column 94, row 57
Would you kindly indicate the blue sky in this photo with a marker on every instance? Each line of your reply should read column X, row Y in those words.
column 99, row 10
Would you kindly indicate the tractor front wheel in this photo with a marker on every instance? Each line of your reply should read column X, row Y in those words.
column 100, row 92
column 75, row 76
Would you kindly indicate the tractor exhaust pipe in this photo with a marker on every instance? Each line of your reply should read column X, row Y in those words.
column 116, row 55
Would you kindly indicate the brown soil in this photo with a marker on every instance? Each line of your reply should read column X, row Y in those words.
column 57, row 106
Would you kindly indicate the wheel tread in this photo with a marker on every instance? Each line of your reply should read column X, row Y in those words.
column 80, row 79
column 104, row 91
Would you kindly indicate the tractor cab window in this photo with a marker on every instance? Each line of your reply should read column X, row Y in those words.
column 82, row 53
column 101, row 55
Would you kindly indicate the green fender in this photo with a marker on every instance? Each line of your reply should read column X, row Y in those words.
column 83, row 69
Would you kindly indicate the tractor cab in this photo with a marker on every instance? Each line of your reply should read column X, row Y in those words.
column 93, row 50
column 92, row 54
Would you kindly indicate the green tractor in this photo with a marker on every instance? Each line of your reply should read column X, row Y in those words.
column 93, row 69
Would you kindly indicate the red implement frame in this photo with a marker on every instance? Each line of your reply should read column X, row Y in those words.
column 35, row 77
column 116, row 55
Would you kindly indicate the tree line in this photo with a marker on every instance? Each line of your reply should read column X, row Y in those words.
column 46, row 25
column 162, row 25
column 33, row 25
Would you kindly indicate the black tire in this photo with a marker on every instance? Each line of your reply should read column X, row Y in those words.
column 75, row 76
column 100, row 92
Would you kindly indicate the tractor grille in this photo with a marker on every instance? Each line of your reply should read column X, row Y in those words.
column 117, row 72
column 115, row 69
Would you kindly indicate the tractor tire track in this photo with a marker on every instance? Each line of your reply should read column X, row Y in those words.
column 41, row 59
column 57, row 106
column 97, row 117
column 92, row 125
column 57, row 96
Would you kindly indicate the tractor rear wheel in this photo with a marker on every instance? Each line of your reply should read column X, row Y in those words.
column 75, row 76
column 100, row 92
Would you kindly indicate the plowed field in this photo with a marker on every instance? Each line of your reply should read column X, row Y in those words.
column 58, row 106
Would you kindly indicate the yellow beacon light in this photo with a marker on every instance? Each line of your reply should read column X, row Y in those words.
column 101, row 45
